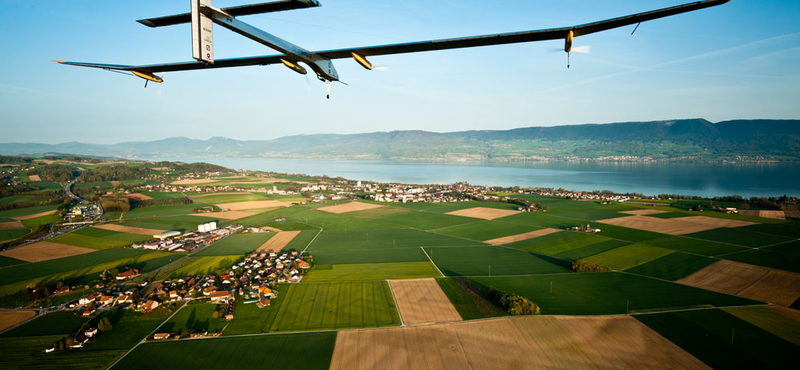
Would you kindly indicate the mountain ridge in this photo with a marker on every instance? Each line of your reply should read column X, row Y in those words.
column 679, row 139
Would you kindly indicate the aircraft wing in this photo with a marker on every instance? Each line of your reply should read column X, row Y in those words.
column 421, row 46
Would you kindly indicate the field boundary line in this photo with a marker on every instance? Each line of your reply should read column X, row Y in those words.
column 396, row 307
column 312, row 240
column 433, row 263
column 144, row 340
column 698, row 309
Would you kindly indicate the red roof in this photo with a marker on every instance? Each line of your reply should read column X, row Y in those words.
column 222, row 293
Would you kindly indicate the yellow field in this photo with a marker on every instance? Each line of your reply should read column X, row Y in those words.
column 130, row 229
column 11, row 318
column 520, row 237
column 349, row 207
column 278, row 241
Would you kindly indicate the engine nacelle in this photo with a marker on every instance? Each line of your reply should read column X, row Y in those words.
column 362, row 60
column 148, row 76
column 294, row 66
column 568, row 41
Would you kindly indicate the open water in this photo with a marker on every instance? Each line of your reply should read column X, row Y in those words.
column 747, row 180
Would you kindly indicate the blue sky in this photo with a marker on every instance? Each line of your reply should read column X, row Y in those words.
column 739, row 60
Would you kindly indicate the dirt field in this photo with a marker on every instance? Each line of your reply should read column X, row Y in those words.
column 519, row 237
column 11, row 318
column 138, row 196
column 224, row 193
column 643, row 212
column 43, row 251
column 229, row 215
column 130, row 229
column 779, row 287
column 532, row 342
column 253, row 205
column 348, row 207
column 716, row 222
column 726, row 277
column 20, row 218
column 278, row 241
column 422, row 301
column 483, row 213
column 671, row 226
column 35, row 178
column 11, row 225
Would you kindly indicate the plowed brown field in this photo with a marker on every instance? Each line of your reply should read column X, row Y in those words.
column 43, row 251
column 422, row 301
column 278, row 241
column 130, row 229
column 726, row 276
column 671, row 226
column 223, row 193
column 11, row 318
column 716, row 222
column 532, row 342
column 138, row 196
column 779, row 287
column 520, row 237
column 11, row 225
column 35, row 178
column 349, row 207
column 483, row 213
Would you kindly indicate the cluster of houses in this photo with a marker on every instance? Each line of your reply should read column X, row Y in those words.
column 176, row 241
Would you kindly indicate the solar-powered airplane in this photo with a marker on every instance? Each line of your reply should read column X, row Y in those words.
column 203, row 16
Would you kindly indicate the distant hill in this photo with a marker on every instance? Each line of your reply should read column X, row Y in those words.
column 689, row 140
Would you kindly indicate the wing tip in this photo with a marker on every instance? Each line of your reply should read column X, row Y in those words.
column 59, row 61
column 147, row 22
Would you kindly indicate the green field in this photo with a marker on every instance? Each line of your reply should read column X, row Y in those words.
column 626, row 234
column 195, row 317
column 476, row 261
column 673, row 266
column 790, row 247
column 460, row 300
column 787, row 228
column 722, row 340
column 767, row 258
column 128, row 328
column 607, row 293
column 249, row 319
column 80, row 239
column 229, row 198
column 332, row 222
column 58, row 323
column 312, row 351
column 373, row 271
column 355, row 256
column 8, row 261
column 419, row 220
column 628, row 256
column 693, row 245
column 28, row 353
column 43, row 220
column 180, row 223
column 739, row 236
column 162, row 194
column 591, row 250
column 26, row 211
column 206, row 265
column 382, row 239
column 337, row 304
column 235, row 244
column 486, row 230
column 770, row 321
column 161, row 211
column 300, row 241
column 557, row 243
column 11, row 234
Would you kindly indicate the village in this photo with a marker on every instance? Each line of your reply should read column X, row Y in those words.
column 250, row 280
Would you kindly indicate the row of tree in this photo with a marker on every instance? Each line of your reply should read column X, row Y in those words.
column 54, row 172
column 512, row 303
column 586, row 266
column 114, row 173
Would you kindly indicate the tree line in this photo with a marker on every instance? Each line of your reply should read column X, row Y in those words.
column 512, row 303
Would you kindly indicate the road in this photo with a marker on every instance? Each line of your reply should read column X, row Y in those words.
column 68, row 190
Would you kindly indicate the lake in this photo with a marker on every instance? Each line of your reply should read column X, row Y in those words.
column 710, row 180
